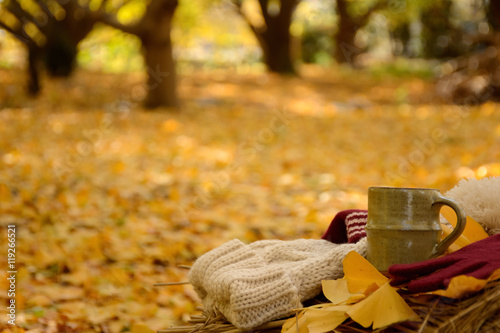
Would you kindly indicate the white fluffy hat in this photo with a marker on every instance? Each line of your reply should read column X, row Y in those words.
column 481, row 200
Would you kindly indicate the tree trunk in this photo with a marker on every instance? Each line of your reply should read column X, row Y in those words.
column 440, row 39
column 276, row 39
column 60, row 56
column 154, row 31
column 161, row 81
column 345, row 48
column 274, row 36
column 277, row 52
column 59, row 50
column 494, row 15
column 33, row 85
column 400, row 36
column 63, row 37
column 157, row 49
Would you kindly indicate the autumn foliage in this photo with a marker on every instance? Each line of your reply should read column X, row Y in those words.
column 109, row 199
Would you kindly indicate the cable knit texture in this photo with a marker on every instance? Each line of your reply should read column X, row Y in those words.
column 480, row 200
column 263, row 281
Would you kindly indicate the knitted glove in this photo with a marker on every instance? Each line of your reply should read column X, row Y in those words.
column 257, row 283
column 478, row 260
column 347, row 226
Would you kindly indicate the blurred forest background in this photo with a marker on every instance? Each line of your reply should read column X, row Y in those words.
column 138, row 134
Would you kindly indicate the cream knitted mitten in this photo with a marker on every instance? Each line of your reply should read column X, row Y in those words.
column 263, row 281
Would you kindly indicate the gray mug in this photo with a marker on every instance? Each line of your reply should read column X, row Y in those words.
column 403, row 225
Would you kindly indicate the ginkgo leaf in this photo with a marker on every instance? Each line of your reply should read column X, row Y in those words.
column 495, row 275
column 382, row 308
column 370, row 289
column 462, row 286
column 99, row 187
column 459, row 243
column 326, row 319
column 360, row 274
column 296, row 324
column 337, row 292
column 473, row 231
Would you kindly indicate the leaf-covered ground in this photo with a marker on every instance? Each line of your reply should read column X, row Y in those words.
column 109, row 199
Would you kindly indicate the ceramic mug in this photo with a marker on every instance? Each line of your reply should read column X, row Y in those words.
column 403, row 225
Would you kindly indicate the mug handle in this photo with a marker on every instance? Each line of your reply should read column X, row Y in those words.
column 457, row 231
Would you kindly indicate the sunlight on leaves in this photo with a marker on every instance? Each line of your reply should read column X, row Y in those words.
column 376, row 301
column 463, row 286
column 337, row 292
column 382, row 308
column 459, row 243
column 360, row 274
column 326, row 319
column 109, row 202
column 473, row 231
column 296, row 324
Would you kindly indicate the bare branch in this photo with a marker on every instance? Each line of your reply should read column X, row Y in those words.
column 263, row 8
column 44, row 7
column 106, row 18
column 18, row 34
column 102, row 5
column 63, row 3
column 257, row 31
column 112, row 21
column 15, row 8
column 286, row 11
column 155, row 12
column 490, row 39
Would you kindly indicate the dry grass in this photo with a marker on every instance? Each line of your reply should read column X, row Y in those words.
column 479, row 313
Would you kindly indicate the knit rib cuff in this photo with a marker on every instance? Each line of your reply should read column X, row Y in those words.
column 260, row 296
column 235, row 280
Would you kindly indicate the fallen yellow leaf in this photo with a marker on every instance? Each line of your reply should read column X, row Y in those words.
column 382, row 308
column 39, row 300
column 459, row 243
column 360, row 274
column 296, row 324
column 96, row 184
column 337, row 292
column 370, row 289
column 140, row 328
column 461, row 286
column 473, row 231
column 326, row 319
column 170, row 125
column 495, row 275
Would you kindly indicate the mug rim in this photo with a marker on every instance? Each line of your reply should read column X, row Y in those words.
column 403, row 188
